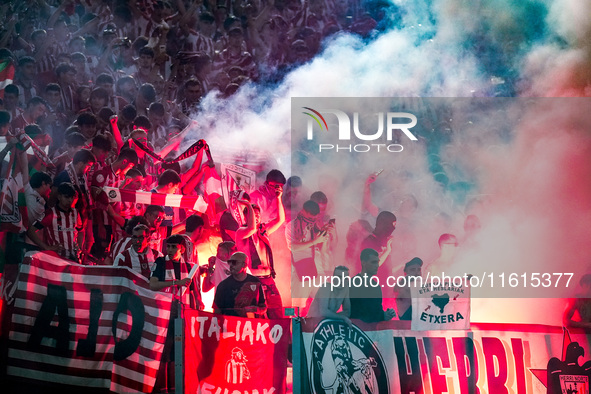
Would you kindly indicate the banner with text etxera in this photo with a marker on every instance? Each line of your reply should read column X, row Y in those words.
column 90, row 326
column 490, row 358
column 444, row 306
column 226, row 354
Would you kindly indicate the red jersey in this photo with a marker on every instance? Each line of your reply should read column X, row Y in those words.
column 101, row 177
column 138, row 262
column 120, row 246
column 61, row 228
column 105, row 176
column 19, row 122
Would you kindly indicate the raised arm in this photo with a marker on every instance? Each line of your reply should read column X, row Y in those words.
column 367, row 205
column 195, row 177
column 116, row 132
column 250, row 229
column 274, row 224
column 208, row 279
column 384, row 255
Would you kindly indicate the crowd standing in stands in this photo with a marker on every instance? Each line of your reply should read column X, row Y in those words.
column 94, row 55
column 99, row 86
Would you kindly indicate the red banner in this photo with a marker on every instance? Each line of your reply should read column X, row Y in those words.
column 92, row 326
column 226, row 354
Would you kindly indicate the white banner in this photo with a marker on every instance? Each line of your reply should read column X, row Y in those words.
column 444, row 307
column 490, row 358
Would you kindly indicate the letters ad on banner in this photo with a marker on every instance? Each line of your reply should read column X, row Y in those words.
column 489, row 358
column 226, row 354
column 91, row 326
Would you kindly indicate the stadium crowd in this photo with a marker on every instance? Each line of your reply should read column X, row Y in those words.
column 95, row 93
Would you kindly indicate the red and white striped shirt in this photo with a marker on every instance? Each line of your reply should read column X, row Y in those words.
column 45, row 63
column 243, row 59
column 236, row 371
column 105, row 176
column 120, row 246
column 150, row 168
column 197, row 42
column 57, row 49
column 68, row 99
column 130, row 31
column 155, row 242
column 61, row 228
column 145, row 27
column 26, row 93
column 139, row 262
column 97, row 166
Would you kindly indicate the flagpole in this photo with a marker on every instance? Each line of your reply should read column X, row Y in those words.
column 296, row 345
column 179, row 344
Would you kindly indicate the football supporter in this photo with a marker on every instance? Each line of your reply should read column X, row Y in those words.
column 108, row 176
column 253, row 239
column 240, row 294
column 61, row 225
column 218, row 268
column 152, row 218
column 123, row 211
column 140, row 257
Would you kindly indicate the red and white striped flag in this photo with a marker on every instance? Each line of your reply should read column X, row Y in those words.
column 110, row 331
column 212, row 186
column 196, row 203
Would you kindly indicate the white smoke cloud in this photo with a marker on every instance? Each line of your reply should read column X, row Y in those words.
column 526, row 184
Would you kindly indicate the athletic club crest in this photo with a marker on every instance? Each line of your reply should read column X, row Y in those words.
column 345, row 361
